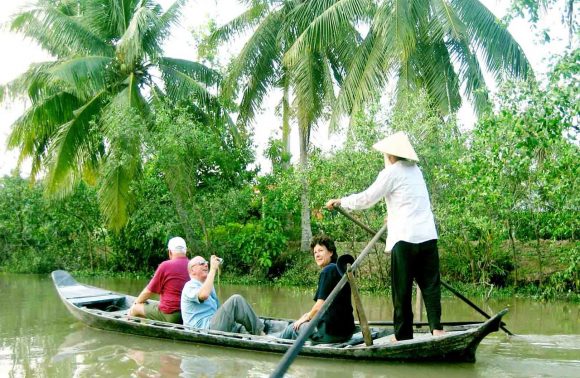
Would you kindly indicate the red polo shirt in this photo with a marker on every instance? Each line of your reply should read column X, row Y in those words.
column 168, row 282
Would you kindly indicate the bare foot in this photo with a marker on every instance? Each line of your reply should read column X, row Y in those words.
column 439, row 332
column 393, row 339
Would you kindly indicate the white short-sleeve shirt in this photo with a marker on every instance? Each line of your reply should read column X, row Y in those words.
column 409, row 217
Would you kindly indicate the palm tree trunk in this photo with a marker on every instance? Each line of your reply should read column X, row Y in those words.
column 570, row 20
column 286, row 123
column 511, row 232
column 306, row 230
column 181, row 211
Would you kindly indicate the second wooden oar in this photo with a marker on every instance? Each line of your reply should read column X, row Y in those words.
column 443, row 283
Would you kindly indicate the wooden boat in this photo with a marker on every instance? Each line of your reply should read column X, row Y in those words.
column 107, row 310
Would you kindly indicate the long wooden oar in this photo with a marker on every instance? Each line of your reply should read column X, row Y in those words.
column 291, row 353
column 445, row 284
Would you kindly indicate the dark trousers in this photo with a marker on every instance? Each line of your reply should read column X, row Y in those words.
column 420, row 262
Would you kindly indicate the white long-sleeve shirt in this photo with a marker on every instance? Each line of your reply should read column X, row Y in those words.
column 410, row 217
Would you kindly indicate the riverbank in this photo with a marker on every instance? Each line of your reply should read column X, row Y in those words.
column 304, row 279
column 543, row 271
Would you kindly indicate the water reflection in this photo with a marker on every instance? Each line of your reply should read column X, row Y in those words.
column 92, row 353
column 38, row 337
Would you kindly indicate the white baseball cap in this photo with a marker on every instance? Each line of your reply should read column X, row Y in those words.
column 177, row 244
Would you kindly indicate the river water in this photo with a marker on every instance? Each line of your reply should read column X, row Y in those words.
column 39, row 338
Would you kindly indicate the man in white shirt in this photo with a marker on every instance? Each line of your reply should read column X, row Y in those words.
column 411, row 238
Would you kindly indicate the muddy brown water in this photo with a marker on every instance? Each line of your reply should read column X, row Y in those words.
column 39, row 338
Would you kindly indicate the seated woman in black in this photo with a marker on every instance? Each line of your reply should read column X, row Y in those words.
column 337, row 324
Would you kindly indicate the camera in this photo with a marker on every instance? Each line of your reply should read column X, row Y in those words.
column 220, row 260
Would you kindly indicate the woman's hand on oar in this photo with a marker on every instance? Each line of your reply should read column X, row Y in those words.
column 331, row 204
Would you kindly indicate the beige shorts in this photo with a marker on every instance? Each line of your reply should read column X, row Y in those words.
column 152, row 312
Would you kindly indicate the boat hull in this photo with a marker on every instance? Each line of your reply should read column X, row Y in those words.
column 107, row 310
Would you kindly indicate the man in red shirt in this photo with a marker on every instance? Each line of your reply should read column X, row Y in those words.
column 168, row 282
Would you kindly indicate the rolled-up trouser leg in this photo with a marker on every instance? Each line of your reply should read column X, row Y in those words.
column 402, row 289
column 236, row 310
column 290, row 333
column 429, row 280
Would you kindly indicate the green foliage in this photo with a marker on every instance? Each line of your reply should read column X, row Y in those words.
column 201, row 166
column 197, row 156
column 567, row 280
column 277, row 154
column 195, row 175
column 252, row 247
column 533, row 9
column 485, row 262
column 301, row 272
column 38, row 235
column 142, row 244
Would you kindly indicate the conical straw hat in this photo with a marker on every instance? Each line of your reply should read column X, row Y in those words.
column 397, row 144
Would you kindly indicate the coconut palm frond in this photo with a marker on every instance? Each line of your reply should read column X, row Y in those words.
column 439, row 78
column 166, row 21
column 367, row 73
column 181, row 83
column 69, row 140
column 34, row 83
column 107, row 18
column 309, row 87
column 196, row 70
column 58, row 33
column 471, row 76
column 159, row 28
column 327, row 83
column 261, row 51
column 130, row 49
column 130, row 97
column 38, row 122
column 502, row 54
column 115, row 196
column 240, row 25
column 33, row 132
column 256, row 86
column 446, row 22
column 84, row 75
column 323, row 21
column 396, row 22
column 341, row 54
column 255, row 69
column 430, row 70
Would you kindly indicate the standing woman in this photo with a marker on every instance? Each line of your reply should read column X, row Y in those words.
column 412, row 237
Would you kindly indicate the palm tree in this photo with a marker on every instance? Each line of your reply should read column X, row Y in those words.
column 90, row 106
column 307, row 85
column 441, row 46
column 258, row 68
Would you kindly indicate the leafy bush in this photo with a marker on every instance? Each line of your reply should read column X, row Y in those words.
column 248, row 248
column 567, row 280
column 38, row 235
